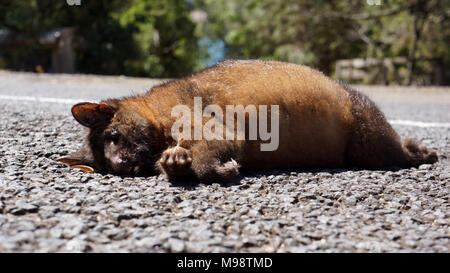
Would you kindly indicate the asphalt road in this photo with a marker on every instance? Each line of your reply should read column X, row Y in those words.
column 47, row 207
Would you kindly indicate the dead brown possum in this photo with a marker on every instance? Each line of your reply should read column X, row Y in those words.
column 321, row 124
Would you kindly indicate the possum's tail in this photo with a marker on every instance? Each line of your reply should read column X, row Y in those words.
column 418, row 155
column 373, row 143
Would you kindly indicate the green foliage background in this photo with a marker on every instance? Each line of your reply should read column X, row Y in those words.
column 140, row 38
column 318, row 33
column 158, row 38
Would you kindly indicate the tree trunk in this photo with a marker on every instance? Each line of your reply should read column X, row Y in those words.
column 412, row 53
column 420, row 14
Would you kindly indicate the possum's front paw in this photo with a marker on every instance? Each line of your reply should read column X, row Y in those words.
column 175, row 162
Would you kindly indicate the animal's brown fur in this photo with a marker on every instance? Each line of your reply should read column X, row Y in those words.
column 322, row 123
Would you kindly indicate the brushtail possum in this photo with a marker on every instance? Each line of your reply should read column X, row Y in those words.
column 318, row 123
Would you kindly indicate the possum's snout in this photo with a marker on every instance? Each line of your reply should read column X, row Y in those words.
column 123, row 161
column 121, row 164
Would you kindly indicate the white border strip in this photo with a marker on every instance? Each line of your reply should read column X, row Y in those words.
column 419, row 123
column 411, row 123
column 41, row 99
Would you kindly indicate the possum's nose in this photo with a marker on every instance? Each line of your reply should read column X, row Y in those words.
column 121, row 164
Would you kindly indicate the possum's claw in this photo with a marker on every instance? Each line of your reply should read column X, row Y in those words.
column 175, row 162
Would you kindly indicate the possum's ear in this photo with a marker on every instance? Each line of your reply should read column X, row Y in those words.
column 92, row 114
column 83, row 159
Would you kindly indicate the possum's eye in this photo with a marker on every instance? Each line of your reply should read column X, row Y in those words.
column 112, row 135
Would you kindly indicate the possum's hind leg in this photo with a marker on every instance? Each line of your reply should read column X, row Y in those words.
column 215, row 161
column 373, row 143
column 206, row 161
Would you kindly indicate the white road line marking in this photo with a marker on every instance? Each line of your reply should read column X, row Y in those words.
column 74, row 101
column 420, row 123
column 41, row 99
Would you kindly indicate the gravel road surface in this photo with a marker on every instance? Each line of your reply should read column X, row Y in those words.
column 47, row 207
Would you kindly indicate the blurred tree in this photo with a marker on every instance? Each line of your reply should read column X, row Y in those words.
column 318, row 33
column 416, row 29
column 295, row 31
column 165, row 36
column 157, row 38
column 140, row 37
